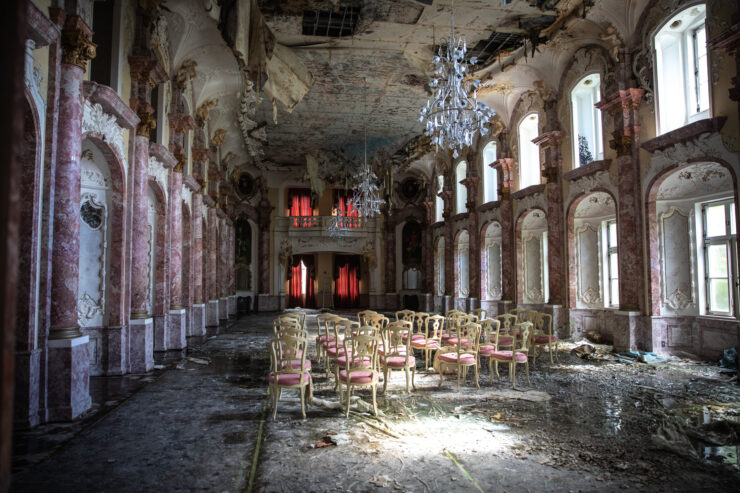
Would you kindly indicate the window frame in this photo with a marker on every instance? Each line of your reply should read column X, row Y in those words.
column 730, row 241
column 439, row 202
column 490, row 191
column 538, row 179
column 609, row 250
column 597, row 121
column 461, row 191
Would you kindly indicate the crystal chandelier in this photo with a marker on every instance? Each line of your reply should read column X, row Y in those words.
column 336, row 229
column 366, row 198
column 454, row 117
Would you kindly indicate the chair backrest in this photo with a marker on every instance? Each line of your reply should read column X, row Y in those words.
column 377, row 320
column 396, row 337
column 451, row 312
column 455, row 320
column 507, row 320
column 362, row 346
column 282, row 323
column 405, row 315
column 419, row 322
column 543, row 325
column 434, row 324
column 321, row 319
column 287, row 348
column 521, row 340
column 298, row 315
column 341, row 327
column 490, row 329
column 294, row 331
column 469, row 332
column 520, row 314
column 481, row 313
column 364, row 313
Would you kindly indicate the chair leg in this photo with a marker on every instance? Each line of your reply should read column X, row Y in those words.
column 349, row 399
column 490, row 369
column 375, row 400
column 336, row 376
column 386, row 377
column 277, row 399
column 303, row 401
column 458, row 377
column 526, row 368
column 407, row 380
column 549, row 345
column 475, row 371
column 497, row 375
column 413, row 374
column 440, row 374
column 513, row 374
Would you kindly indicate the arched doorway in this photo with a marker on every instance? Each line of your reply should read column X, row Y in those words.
column 491, row 278
column 462, row 275
column 532, row 265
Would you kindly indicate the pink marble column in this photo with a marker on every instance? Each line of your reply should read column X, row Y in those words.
column 231, row 271
column 199, row 307
column 263, row 254
column 508, row 251
column 177, row 322
column 222, row 281
column 68, row 357
column 140, row 254
column 212, row 314
column 471, row 183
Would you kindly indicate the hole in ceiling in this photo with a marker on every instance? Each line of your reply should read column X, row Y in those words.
column 497, row 44
column 335, row 24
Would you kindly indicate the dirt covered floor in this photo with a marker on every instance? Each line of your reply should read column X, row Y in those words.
column 202, row 422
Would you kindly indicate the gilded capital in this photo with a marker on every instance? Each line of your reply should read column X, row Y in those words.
column 77, row 48
column 147, row 123
column 219, row 137
column 181, row 161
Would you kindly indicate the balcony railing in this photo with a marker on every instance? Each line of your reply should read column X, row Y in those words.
column 321, row 224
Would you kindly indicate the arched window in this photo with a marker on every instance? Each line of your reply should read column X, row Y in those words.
column 439, row 267
column 439, row 203
column 490, row 175
column 588, row 145
column 461, row 191
column 529, row 152
column 681, row 69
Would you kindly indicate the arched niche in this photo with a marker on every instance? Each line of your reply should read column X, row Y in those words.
column 491, row 262
column 592, row 252
column 461, row 265
column 411, row 255
column 439, row 266
column 245, row 255
column 532, row 264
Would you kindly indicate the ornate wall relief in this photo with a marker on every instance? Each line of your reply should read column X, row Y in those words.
column 588, row 258
column 159, row 173
column 533, row 268
column 676, row 253
column 152, row 218
column 96, row 120
column 493, row 282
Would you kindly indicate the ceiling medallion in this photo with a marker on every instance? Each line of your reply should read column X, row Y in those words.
column 454, row 117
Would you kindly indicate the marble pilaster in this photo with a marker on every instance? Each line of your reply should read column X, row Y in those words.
column 141, row 332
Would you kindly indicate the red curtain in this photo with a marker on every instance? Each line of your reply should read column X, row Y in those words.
column 297, row 297
column 300, row 205
column 345, row 208
column 347, row 281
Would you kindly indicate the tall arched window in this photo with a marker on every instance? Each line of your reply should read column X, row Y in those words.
column 681, row 69
column 490, row 175
column 461, row 191
column 588, row 144
column 529, row 152
column 439, row 203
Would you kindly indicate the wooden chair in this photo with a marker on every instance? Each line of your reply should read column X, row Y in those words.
column 335, row 347
column 432, row 340
column 361, row 315
column 481, row 313
column 520, row 313
column 355, row 374
column 463, row 355
column 323, row 335
column 518, row 354
column 405, row 315
column 284, row 351
column 397, row 353
column 418, row 324
column 300, row 315
column 507, row 328
column 491, row 338
column 351, row 329
column 377, row 320
column 542, row 336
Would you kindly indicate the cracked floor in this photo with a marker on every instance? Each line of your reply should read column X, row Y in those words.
column 195, row 423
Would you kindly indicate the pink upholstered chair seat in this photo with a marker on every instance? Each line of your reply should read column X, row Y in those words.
column 504, row 341
column 342, row 361
column 399, row 361
column 325, row 338
column 424, row 344
column 487, row 349
column 545, row 339
column 290, row 378
column 465, row 359
column 413, row 337
column 358, row 376
column 333, row 352
column 507, row 356
column 400, row 350
column 295, row 364
column 452, row 341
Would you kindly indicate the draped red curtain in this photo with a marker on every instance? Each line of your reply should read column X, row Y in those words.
column 347, row 281
column 300, row 204
column 297, row 295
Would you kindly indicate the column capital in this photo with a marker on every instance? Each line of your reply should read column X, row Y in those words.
column 147, row 69
column 181, row 122
column 147, row 123
column 77, row 45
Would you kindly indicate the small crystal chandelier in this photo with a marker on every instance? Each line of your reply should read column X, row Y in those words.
column 336, row 229
column 453, row 117
column 366, row 198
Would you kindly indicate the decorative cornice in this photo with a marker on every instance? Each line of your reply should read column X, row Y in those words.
column 460, row 217
column 191, row 183
column 622, row 100
column 162, row 154
column 147, row 69
column 111, row 103
column 489, row 206
column 549, row 139
column 181, row 122
column 77, row 47
column 208, row 200
column 531, row 190
column 41, row 30
column 685, row 133
column 587, row 169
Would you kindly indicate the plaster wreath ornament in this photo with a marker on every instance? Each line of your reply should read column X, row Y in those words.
column 454, row 117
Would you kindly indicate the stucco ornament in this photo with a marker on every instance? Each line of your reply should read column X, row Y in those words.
column 96, row 120
column 159, row 173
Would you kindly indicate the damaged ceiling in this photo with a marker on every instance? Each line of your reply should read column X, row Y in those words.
column 340, row 67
